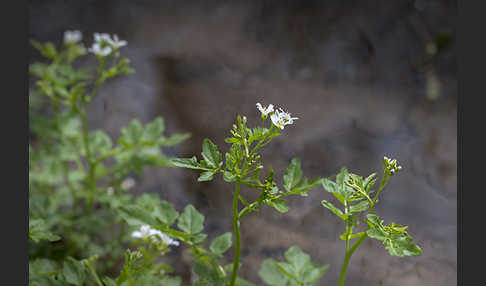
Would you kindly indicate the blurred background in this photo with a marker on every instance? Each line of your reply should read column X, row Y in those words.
column 367, row 79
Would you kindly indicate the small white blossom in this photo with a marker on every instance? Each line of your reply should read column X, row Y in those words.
column 282, row 118
column 128, row 184
column 104, row 44
column 167, row 239
column 72, row 36
column 265, row 110
column 116, row 43
column 156, row 235
column 144, row 232
column 100, row 50
column 110, row 191
column 102, row 37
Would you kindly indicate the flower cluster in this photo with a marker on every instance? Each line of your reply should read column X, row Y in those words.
column 279, row 117
column 156, row 235
column 104, row 44
column 72, row 36
column 128, row 183
column 391, row 165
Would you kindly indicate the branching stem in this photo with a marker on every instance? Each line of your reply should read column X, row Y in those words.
column 236, row 226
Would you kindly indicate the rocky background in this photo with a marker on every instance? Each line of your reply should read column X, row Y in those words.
column 366, row 78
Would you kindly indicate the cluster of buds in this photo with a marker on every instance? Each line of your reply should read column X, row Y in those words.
column 146, row 232
column 279, row 117
column 391, row 165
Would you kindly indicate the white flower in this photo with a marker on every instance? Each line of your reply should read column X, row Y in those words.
column 116, row 43
column 72, row 36
column 265, row 111
column 128, row 184
column 146, row 231
column 282, row 118
column 100, row 50
column 105, row 45
column 167, row 239
column 102, row 37
column 110, row 191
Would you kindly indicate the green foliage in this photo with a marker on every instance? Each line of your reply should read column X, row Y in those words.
column 220, row 244
column 77, row 177
column 298, row 270
column 357, row 196
column 80, row 205
column 191, row 221
column 70, row 271
column 38, row 231
column 242, row 165
column 393, row 236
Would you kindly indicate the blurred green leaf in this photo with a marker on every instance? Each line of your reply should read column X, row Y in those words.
column 221, row 243
column 191, row 221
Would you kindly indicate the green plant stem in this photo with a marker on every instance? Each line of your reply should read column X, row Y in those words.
column 91, row 161
column 91, row 165
column 93, row 273
column 236, row 226
column 383, row 182
column 347, row 258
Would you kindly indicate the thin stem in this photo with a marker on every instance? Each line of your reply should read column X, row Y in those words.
column 91, row 166
column 236, row 225
column 347, row 258
column 383, row 182
column 91, row 161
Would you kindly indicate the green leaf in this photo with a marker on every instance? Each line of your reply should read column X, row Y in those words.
column 174, row 139
column 208, row 276
column 271, row 275
column 131, row 134
column 136, row 215
column 206, row 176
column 153, row 130
column 297, row 258
column 108, row 281
column 359, row 207
column 280, row 205
column 293, row 174
column 190, row 163
column 221, row 243
column 38, row 231
column 339, row 189
column 191, row 221
column 312, row 274
column 394, row 237
column 334, row 209
column 229, row 177
column 211, row 154
column 74, row 271
column 100, row 142
column 149, row 205
column 48, row 49
column 165, row 212
column 171, row 281
column 199, row 238
column 298, row 271
column 329, row 185
column 305, row 185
